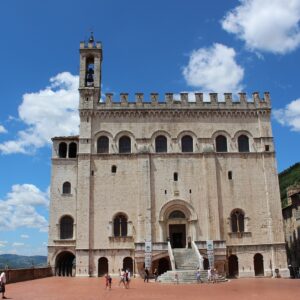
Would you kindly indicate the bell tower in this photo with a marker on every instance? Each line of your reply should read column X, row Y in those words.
column 90, row 73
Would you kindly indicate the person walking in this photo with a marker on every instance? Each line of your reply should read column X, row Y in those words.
column 146, row 278
column 198, row 276
column 108, row 281
column 155, row 273
column 2, row 284
column 122, row 278
column 127, row 278
column 209, row 275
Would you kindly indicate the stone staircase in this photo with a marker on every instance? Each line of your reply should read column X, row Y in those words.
column 186, row 263
column 185, row 259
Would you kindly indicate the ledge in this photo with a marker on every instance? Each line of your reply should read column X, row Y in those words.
column 239, row 234
column 120, row 238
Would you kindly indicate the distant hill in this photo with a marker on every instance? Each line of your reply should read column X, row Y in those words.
column 14, row 261
column 288, row 177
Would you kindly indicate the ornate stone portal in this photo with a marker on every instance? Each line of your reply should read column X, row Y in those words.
column 144, row 173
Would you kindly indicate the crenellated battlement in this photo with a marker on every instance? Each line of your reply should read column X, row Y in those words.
column 186, row 100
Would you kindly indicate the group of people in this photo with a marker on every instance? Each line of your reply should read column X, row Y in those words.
column 125, row 277
column 212, row 276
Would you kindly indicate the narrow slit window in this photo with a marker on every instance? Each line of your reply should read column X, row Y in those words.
column 230, row 175
column 114, row 169
column 175, row 176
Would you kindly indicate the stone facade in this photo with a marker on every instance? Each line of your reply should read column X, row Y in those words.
column 291, row 218
column 157, row 171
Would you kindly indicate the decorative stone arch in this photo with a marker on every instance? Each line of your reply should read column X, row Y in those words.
column 192, row 135
column 128, row 228
column 228, row 138
column 250, row 137
column 110, row 140
column 158, row 133
column 121, row 134
column 65, row 261
column 189, row 222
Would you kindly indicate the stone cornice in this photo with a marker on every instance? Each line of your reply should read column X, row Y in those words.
column 168, row 113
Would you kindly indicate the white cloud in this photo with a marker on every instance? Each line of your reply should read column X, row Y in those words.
column 16, row 244
column 24, row 236
column 3, row 243
column 47, row 113
column 266, row 25
column 19, row 208
column 290, row 115
column 214, row 69
column 2, row 129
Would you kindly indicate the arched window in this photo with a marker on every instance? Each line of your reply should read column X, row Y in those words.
column 72, row 150
column 187, row 144
column 161, row 144
column 124, row 144
column 66, row 188
column 120, row 225
column 62, row 150
column 177, row 214
column 237, row 221
column 243, row 143
column 221, row 143
column 102, row 144
column 89, row 80
column 66, row 227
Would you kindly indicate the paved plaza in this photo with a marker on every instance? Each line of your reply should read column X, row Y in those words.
column 94, row 288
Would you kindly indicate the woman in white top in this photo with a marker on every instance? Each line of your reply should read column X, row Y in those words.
column 2, row 283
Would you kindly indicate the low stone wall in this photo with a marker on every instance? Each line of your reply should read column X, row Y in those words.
column 17, row 275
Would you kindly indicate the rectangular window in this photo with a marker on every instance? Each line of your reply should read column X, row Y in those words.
column 175, row 176
column 267, row 148
column 230, row 175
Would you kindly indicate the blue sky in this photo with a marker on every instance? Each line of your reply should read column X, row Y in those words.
column 148, row 46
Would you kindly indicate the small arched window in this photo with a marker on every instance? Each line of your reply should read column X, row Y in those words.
column 187, row 144
column 237, row 221
column 177, row 214
column 89, row 80
column 72, row 150
column 221, row 143
column 161, row 144
column 66, row 227
column 62, row 150
column 120, row 225
column 243, row 143
column 102, row 144
column 124, row 144
column 66, row 188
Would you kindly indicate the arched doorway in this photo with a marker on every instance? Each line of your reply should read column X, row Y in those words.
column 102, row 266
column 258, row 264
column 205, row 264
column 177, row 229
column 128, row 264
column 163, row 265
column 65, row 263
column 233, row 266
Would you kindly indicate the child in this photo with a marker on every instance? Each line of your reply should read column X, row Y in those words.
column 108, row 281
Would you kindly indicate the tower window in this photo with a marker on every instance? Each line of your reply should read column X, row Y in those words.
column 89, row 80
column 221, row 143
column 237, row 221
column 124, row 144
column 66, row 227
column 267, row 148
column 120, row 225
column 72, row 150
column 230, row 175
column 62, row 150
column 102, row 144
column 175, row 176
column 187, row 144
column 243, row 143
column 114, row 169
column 161, row 144
column 66, row 188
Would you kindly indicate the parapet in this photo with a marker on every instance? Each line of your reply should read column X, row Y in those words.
column 90, row 45
column 188, row 100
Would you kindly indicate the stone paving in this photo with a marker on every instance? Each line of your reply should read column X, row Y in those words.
column 57, row 288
